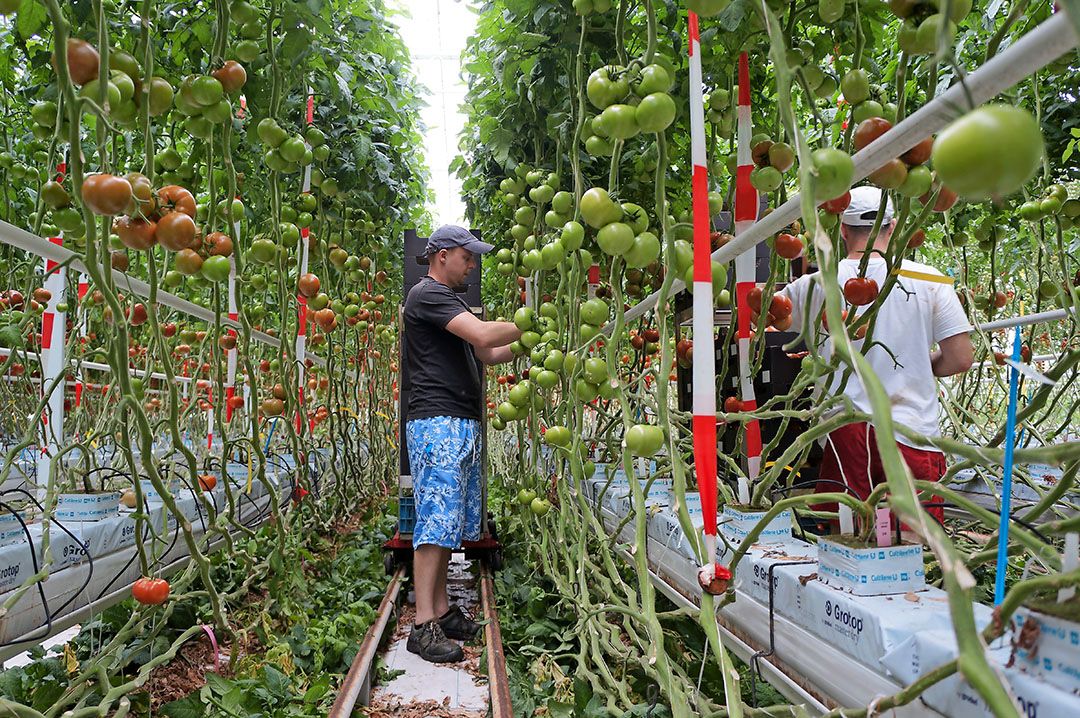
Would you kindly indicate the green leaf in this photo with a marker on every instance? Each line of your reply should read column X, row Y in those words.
column 582, row 694
column 218, row 684
column 559, row 710
column 734, row 14
column 317, row 690
column 276, row 682
column 188, row 707
column 32, row 17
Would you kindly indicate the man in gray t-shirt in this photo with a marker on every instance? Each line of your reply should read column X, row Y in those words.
column 443, row 341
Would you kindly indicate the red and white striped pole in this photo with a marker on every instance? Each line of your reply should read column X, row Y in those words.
column 230, row 371
column 301, row 332
column 209, row 418
column 53, row 331
column 84, row 329
column 704, row 370
column 746, row 211
column 230, row 357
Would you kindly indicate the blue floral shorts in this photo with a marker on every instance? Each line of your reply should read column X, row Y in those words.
column 445, row 455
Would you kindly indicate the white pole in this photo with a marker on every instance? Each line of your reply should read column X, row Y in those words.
column 53, row 325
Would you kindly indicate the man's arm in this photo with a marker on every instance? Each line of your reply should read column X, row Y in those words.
column 481, row 334
column 496, row 355
column 954, row 355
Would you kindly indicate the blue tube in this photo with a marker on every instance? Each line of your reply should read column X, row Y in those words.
column 1006, row 481
column 270, row 434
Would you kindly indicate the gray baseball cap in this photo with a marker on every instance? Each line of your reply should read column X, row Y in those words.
column 863, row 209
column 451, row 235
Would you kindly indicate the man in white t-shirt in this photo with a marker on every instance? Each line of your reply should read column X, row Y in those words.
column 923, row 310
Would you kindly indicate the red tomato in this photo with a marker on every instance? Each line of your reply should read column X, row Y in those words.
column 150, row 591
column 860, row 291
column 869, row 130
column 788, row 246
column 753, row 299
column 732, row 405
column 837, row 205
column 780, row 308
column 920, row 153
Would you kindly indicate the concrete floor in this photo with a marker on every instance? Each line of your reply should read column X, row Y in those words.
column 423, row 681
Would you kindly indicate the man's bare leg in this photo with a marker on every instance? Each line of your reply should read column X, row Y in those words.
column 440, row 600
column 429, row 574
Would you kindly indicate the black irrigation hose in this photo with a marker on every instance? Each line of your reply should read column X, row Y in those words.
column 49, row 614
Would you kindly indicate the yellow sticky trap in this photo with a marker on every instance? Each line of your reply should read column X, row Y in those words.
column 248, row 490
column 925, row 276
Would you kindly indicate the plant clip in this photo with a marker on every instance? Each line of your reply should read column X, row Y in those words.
column 714, row 579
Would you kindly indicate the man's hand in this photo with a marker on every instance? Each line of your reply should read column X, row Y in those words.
column 481, row 334
column 497, row 355
column 954, row 356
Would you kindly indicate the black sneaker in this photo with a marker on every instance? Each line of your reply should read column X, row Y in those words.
column 429, row 642
column 456, row 624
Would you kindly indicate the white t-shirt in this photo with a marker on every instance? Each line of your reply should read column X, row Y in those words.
column 909, row 323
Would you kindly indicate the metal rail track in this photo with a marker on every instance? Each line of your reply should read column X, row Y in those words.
column 356, row 688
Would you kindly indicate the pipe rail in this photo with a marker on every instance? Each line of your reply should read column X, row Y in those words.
column 1038, row 48
column 1027, row 319
column 27, row 241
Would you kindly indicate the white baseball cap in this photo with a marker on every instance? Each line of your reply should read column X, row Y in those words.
column 863, row 209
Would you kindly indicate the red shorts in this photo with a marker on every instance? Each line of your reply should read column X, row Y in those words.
column 852, row 459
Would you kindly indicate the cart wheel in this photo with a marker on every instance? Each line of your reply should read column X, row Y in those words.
column 496, row 561
column 389, row 562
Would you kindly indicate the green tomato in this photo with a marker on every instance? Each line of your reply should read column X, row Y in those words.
column 615, row 238
column 539, row 507
column 524, row 318
column 557, row 436
column 653, row 78
column 215, row 268
column 572, row 236
column 595, row 370
column 619, row 122
column 562, row 202
column 598, row 209
column 594, row 311
column 989, row 152
column 917, row 183
column 644, row 251
column 655, row 113
column 584, row 391
column 602, row 90
column 507, row 411
column 644, row 439
column 835, row 171
column 855, row 86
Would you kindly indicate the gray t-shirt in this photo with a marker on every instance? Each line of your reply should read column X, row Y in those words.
column 444, row 378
